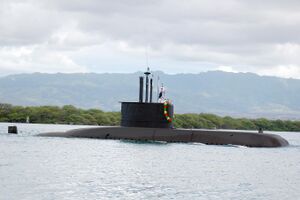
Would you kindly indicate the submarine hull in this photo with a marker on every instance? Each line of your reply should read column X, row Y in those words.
column 213, row 137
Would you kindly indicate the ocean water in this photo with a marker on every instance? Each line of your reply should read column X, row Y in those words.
column 37, row 168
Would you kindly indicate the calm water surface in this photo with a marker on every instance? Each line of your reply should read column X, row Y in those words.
column 36, row 168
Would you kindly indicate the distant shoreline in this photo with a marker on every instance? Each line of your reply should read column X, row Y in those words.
column 76, row 116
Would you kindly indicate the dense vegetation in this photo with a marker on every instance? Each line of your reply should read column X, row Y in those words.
column 212, row 121
column 70, row 115
column 57, row 115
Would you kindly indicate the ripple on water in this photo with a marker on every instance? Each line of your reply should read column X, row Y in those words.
column 62, row 168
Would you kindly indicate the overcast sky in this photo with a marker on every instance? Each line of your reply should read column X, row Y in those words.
column 180, row 36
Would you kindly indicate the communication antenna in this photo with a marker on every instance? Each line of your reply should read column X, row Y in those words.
column 149, row 86
column 147, row 61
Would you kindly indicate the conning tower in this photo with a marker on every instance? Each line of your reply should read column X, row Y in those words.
column 146, row 113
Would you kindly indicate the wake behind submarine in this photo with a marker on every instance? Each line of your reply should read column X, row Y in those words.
column 152, row 121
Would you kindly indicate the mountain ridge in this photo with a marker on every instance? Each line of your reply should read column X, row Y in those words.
column 222, row 93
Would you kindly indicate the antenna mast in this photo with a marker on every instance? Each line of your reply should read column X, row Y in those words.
column 147, row 64
column 147, row 73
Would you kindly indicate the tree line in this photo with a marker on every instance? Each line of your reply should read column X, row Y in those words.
column 69, row 114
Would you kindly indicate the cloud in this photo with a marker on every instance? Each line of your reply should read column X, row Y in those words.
column 287, row 71
column 23, row 23
column 35, row 58
column 182, row 36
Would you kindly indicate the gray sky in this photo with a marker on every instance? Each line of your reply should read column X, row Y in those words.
column 180, row 36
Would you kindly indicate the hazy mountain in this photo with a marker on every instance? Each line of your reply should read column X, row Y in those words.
column 236, row 94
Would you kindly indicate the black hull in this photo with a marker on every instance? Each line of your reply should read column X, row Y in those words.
column 213, row 137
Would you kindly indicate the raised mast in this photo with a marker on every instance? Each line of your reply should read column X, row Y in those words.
column 147, row 73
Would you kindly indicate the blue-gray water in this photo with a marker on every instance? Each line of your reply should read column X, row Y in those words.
column 38, row 168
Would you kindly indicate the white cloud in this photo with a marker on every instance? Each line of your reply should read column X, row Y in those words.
column 226, row 69
column 183, row 36
column 34, row 58
column 287, row 71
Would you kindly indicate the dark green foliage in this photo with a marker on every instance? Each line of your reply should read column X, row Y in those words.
column 69, row 114
column 57, row 115
column 211, row 121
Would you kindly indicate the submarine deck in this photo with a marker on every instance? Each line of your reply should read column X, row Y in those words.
column 215, row 137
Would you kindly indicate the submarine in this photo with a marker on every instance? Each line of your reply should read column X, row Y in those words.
column 146, row 120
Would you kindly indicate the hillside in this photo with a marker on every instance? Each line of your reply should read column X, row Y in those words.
column 222, row 93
